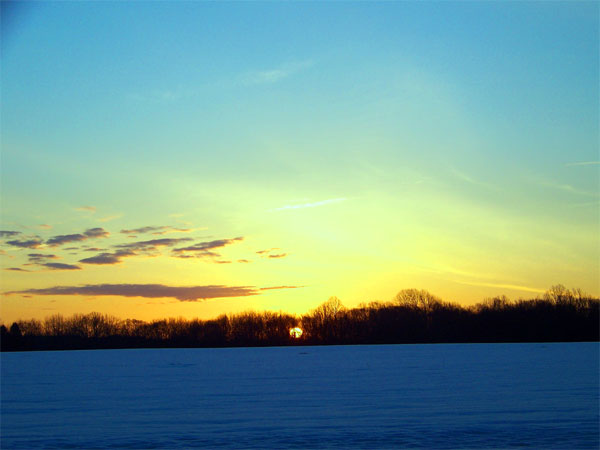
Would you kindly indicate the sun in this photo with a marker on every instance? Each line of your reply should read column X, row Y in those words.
column 295, row 332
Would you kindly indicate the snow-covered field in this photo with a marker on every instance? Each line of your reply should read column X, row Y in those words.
column 389, row 396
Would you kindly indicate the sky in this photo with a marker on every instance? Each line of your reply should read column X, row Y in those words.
column 166, row 159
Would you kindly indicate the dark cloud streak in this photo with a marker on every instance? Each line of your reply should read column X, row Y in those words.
column 181, row 293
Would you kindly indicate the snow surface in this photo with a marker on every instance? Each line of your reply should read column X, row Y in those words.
column 388, row 396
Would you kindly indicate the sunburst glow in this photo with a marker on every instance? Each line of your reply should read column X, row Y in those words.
column 296, row 332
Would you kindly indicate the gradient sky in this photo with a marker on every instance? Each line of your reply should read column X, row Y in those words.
column 175, row 159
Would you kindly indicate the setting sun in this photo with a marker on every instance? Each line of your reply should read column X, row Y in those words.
column 296, row 332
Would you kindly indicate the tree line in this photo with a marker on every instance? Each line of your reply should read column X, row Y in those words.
column 413, row 316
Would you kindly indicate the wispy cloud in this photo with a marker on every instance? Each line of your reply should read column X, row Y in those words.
column 165, row 95
column 515, row 287
column 567, row 188
column 91, row 209
column 595, row 203
column 467, row 179
column 582, row 163
column 280, row 287
column 275, row 74
column 109, row 218
column 310, row 205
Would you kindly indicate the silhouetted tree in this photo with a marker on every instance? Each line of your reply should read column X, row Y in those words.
column 414, row 298
column 15, row 331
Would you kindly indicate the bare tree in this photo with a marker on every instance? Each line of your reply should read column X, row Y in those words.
column 414, row 298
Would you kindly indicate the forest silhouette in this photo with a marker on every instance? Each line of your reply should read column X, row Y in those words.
column 414, row 316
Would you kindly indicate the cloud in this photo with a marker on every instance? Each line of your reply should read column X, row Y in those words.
column 503, row 286
column 29, row 243
column 60, row 266
column 134, row 248
column 203, row 249
column 568, row 188
column 175, row 230
column 39, row 257
column 109, row 218
column 156, row 230
column 17, row 269
column 310, row 205
column 280, row 255
column 153, row 244
column 91, row 209
column 467, row 179
column 108, row 258
column 274, row 75
column 280, row 287
column 583, row 163
column 91, row 233
column 245, row 261
column 165, row 95
column 4, row 233
column 268, row 254
column 96, row 233
column 45, row 226
column 262, row 252
column 595, row 203
column 143, row 230
column 182, row 293
column 65, row 238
